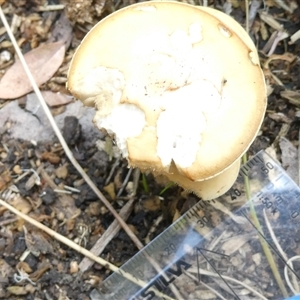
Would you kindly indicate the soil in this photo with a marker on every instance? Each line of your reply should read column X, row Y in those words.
column 38, row 179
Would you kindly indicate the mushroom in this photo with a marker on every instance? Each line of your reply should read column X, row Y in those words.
column 178, row 87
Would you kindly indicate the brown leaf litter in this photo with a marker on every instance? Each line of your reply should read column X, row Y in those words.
column 38, row 179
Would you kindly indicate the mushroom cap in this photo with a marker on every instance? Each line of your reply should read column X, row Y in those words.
column 173, row 83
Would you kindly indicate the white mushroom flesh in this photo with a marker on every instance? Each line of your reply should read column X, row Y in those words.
column 103, row 88
column 182, row 121
column 132, row 126
column 166, row 78
column 178, row 87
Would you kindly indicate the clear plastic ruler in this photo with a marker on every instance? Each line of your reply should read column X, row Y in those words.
column 214, row 251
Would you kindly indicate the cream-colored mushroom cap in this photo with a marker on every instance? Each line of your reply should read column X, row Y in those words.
column 179, row 88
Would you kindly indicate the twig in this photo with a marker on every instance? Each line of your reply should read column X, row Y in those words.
column 62, row 140
column 288, row 263
column 124, row 183
column 273, row 236
column 51, row 7
column 59, row 237
column 295, row 37
column 78, row 248
column 263, row 243
column 70, row 188
column 112, row 170
column 153, row 228
column 280, row 250
column 253, row 11
column 69, row 154
column 283, row 5
column 204, row 284
column 268, row 19
column 59, row 191
column 8, row 221
column 280, row 35
column 209, row 273
column 108, row 235
column 247, row 15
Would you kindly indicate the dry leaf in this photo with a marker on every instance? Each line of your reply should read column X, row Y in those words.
column 151, row 203
column 43, row 268
column 17, row 290
column 53, row 158
column 37, row 241
column 21, row 204
column 43, row 62
column 24, row 266
column 6, row 271
column 62, row 31
column 110, row 190
column 5, row 178
column 55, row 99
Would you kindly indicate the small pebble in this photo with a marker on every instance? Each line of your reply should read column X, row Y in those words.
column 54, row 223
column 5, row 56
column 95, row 208
column 3, row 155
column 60, row 216
column 38, row 162
column 103, row 210
column 78, row 182
column 30, row 153
column 62, row 172
column 30, row 288
column 74, row 267
column 17, row 169
column 49, row 196
column 257, row 258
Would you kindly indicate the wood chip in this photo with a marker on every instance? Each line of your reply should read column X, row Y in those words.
column 292, row 96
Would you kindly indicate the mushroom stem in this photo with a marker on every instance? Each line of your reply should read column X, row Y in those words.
column 170, row 98
column 210, row 188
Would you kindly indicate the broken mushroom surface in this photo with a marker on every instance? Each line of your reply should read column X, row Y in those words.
column 178, row 87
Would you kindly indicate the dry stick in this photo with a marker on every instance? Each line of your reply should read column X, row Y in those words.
column 261, row 235
column 197, row 281
column 289, row 262
column 78, row 248
column 248, row 287
column 264, row 245
column 108, row 235
column 283, row 5
column 247, row 15
column 280, row 250
column 113, row 229
column 68, row 152
column 61, row 139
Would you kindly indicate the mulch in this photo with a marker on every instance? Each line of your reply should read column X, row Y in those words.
column 38, row 179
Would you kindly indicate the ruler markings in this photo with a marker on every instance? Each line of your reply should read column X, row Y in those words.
column 173, row 242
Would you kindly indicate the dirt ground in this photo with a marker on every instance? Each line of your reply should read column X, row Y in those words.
column 38, row 179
